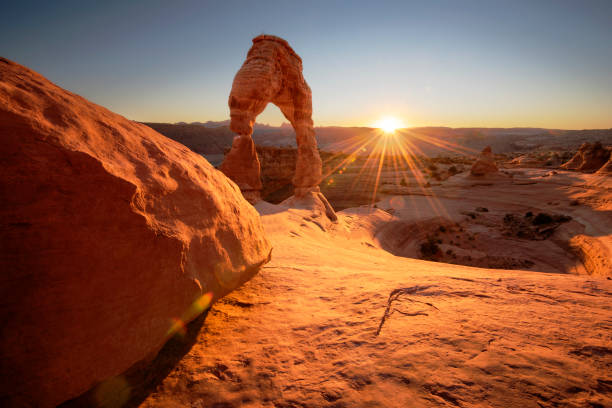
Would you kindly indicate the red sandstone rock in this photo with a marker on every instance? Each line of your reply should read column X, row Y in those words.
column 242, row 166
column 484, row 164
column 314, row 201
column 272, row 72
column 606, row 168
column 113, row 236
column 589, row 158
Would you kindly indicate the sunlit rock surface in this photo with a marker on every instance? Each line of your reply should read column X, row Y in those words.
column 589, row 158
column 485, row 164
column 113, row 237
column 335, row 320
column 272, row 72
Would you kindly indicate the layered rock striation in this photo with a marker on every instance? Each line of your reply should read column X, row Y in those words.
column 272, row 73
column 606, row 168
column 589, row 158
column 113, row 237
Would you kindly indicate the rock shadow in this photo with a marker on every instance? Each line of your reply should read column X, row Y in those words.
column 131, row 388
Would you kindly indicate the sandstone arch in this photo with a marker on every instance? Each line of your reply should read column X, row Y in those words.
column 272, row 73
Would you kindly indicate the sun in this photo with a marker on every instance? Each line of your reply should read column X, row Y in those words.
column 389, row 124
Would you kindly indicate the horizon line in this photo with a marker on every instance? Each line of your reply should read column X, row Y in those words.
column 198, row 123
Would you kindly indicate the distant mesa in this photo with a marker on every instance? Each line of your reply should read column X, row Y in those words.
column 213, row 124
column 221, row 123
column 114, row 237
column 589, row 158
column 272, row 73
column 539, row 143
column 484, row 164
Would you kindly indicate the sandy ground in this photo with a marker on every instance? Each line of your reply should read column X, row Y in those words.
column 583, row 245
column 303, row 332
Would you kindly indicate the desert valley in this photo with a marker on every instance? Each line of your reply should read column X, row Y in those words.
column 231, row 263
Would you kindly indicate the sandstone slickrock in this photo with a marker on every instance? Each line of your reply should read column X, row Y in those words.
column 314, row 201
column 113, row 237
column 589, row 158
column 537, row 160
column 484, row 164
column 272, row 73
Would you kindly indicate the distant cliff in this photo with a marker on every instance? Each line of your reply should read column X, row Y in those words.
column 201, row 139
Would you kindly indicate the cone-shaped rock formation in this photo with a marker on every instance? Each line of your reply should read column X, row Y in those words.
column 113, row 237
column 272, row 73
column 484, row 164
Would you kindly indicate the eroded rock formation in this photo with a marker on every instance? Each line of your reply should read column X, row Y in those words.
column 113, row 237
column 272, row 73
column 589, row 158
column 606, row 168
column 484, row 164
column 242, row 165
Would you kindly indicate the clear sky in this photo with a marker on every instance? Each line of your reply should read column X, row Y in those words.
column 440, row 63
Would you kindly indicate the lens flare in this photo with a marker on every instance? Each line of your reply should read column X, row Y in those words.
column 112, row 393
column 178, row 326
column 202, row 303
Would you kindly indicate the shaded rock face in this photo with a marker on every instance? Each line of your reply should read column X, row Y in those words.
column 272, row 73
column 589, row 158
column 242, row 165
column 484, row 164
column 113, row 236
column 277, row 167
column 606, row 168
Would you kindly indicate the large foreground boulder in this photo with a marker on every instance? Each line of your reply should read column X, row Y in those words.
column 113, row 237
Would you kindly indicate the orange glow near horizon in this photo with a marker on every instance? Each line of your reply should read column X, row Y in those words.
column 392, row 149
column 389, row 124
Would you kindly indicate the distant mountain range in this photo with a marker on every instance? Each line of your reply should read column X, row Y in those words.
column 221, row 123
column 213, row 138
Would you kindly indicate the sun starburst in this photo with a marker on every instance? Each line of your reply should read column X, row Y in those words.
column 389, row 124
column 390, row 153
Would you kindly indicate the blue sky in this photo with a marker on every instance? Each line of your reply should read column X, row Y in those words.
column 441, row 63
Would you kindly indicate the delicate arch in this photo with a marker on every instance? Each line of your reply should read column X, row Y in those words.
column 272, row 73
